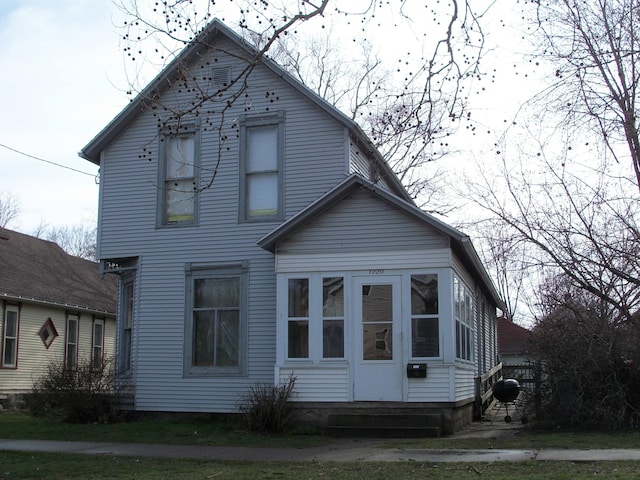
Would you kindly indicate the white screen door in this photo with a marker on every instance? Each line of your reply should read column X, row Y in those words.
column 378, row 373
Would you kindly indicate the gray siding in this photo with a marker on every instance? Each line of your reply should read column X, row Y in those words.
column 315, row 161
column 361, row 223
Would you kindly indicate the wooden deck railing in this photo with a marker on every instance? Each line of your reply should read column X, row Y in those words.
column 484, row 394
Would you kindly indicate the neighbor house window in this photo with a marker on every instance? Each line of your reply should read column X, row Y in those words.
column 10, row 329
column 333, row 317
column 298, row 318
column 97, row 343
column 425, row 336
column 216, row 322
column 464, row 320
column 126, row 325
column 179, row 164
column 261, row 167
column 71, row 344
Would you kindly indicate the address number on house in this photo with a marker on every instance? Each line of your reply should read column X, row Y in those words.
column 376, row 272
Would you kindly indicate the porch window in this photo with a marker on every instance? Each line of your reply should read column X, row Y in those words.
column 179, row 184
column 261, row 153
column 333, row 317
column 298, row 318
column 215, row 329
column 71, row 344
column 10, row 337
column 464, row 320
column 97, row 343
column 425, row 336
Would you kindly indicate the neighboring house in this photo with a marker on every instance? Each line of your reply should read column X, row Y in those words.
column 55, row 307
column 305, row 257
column 513, row 343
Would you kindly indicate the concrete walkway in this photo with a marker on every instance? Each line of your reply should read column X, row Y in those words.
column 341, row 451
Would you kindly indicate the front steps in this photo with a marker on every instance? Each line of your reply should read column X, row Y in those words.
column 384, row 425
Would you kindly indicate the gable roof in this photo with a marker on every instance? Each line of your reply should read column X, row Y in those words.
column 512, row 338
column 460, row 242
column 39, row 271
column 191, row 53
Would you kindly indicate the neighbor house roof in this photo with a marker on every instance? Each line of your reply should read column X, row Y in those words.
column 512, row 338
column 460, row 243
column 193, row 52
column 39, row 271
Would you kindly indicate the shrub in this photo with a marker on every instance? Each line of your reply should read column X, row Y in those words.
column 84, row 394
column 268, row 408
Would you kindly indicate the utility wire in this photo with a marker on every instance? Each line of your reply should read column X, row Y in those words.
column 46, row 161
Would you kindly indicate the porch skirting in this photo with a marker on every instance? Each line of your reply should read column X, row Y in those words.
column 454, row 415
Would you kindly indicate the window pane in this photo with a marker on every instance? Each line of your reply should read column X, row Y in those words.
column 71, row 356
column 227, row 349
column 377, row 341
column 9, row 352
column 203, row 334
column 216, row 292
column 72, row 331
column 262, row 149
column 180, row 156
column 180, row 199
column 424, row 294
column 333, row 297
column 377, row 303
column 424, row 337
column 97, row 334
column 298, row 297
column 333, row 338
column 11, row 325
column 298, row 339
column 262, row 194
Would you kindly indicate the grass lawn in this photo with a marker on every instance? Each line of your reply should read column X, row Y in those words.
column 23, row 465
column 57, row 467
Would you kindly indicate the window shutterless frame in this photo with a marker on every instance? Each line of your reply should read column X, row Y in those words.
column 178, row 175
column 262, row 168
column 10, row 334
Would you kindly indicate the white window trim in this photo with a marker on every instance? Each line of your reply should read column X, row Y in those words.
column 75, row 317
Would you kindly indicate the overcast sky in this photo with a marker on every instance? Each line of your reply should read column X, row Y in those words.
column 61, row 84
column 63, row 80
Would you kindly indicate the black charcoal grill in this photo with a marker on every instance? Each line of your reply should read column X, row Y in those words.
column 506, row 392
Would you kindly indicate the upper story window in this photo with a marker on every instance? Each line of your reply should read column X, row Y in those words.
column 179, row 166
column 10, row 336
column 425, row 336
column 261, row 168
column 463, row 301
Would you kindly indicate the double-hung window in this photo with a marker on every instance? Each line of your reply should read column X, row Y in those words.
column 71, row 344
column 10, row 336
column 464, row 320
column 261, row 168
column 425, row 336
column 216, row 321
column 179, row 166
